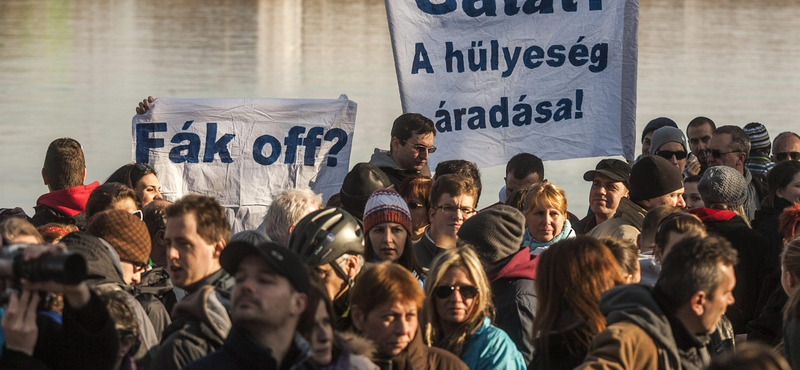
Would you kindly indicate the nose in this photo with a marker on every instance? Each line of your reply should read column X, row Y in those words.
column 423, row 153
column 403, row 326
column 387, row 235
column 457, row 296
column 137, row 277
column 459, row 214
column 681, row 202
column 158, row 195
column 172, row 253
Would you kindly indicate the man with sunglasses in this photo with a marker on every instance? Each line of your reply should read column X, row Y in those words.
column 453, row 200
column 412, row 141
column 786, row 147
column 729, row 146
column 670, row 143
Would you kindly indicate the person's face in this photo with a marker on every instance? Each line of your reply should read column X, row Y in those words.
column 674, row 199
column 455, row 309
column 646, row 143
column 148, row 189
column 448, row 215
column 190, row 258
column 544, row 222
column 513, row 184
column 407, row 155
column 322, row 337
column 792, row 191
column 691, row 196
column 785, row 144
column 714, row 307
column 131, row 274
column 605, row 194
column 262, row 297
column 730, row 158
column 419, row 213
column 698, row 141
column 672, row 146
column 390, row 326
column 388, row 240
column 332, row 281
column 125, row 204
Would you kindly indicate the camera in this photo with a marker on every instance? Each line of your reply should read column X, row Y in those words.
column 64, row 268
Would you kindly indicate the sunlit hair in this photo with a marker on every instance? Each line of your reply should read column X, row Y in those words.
column 384, row 283
column 416, row 187
column 454, row 185
column 517, row 198
column 212, row 224
column 685, row 224
column 788, row 221
column 105, row 196
column 14, row 227
column 548, row 195
column 64, row 164
column 286, row 210
column 53, row 232
column 570, row 277
column 790, row 261
column 625, row 252
column 651, row 221
column 482, row 307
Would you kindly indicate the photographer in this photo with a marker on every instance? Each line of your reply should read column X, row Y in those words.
column 86, row 339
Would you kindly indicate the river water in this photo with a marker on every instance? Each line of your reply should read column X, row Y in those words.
column 77, row 68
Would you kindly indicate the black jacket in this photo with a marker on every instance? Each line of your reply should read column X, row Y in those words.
column 766, row 223
column 240, row 352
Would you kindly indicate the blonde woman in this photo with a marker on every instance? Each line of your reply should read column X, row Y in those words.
column 458, row 312
column 545, row 210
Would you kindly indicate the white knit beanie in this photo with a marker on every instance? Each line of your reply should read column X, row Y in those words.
column 386, row 205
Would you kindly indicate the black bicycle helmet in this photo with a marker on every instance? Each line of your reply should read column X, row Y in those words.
column 323, row 236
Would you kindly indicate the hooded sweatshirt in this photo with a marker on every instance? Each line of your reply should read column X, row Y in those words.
column 63, row 206
column 514, row 298
column 642, row 336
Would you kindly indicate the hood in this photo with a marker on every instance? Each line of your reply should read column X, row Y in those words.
column 102, row 262
column 634, row 303
column 70, row 201
column 382, row 158
column 355, row 344
column 713, row 215
column 631, row 212
column 210, row 306
column 520, row 265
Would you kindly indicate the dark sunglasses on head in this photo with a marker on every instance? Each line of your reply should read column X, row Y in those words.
column 718, row 154
column 445, row 291
column 784, row 155
column 666, row 154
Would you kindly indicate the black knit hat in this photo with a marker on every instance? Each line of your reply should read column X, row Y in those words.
column 653, row 177
column 495, row 233
column 656, row 124
column 359, row 184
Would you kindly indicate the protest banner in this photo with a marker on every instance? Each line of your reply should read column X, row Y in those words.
column 244, row 151
column 500, row 77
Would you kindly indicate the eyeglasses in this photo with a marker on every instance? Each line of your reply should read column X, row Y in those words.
column 450, row 210
column 445, row 291
column 138, row 213
column 784, row 155
column 666, row 154
column 717, row 154
column 420, row 147
column 415, row 205
column 137, row 266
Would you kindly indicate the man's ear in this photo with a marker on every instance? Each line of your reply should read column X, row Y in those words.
column 790, row 280
column 299, row 303
column 160, row 237
column 352, row 264
column 646, row 203
column 431, row 212
column 639, row 241
column 44, row 178
column 218, row 247
column 358, row 318
column 84, row 176
column 394, row 144
column 696, row 303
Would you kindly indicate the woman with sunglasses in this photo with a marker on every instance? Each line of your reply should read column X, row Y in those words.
column 416, row 190
column 141, row 178
column 545, row 210
column 569, row 280
column 458, row 313
column 784, row 190
column 387, row 222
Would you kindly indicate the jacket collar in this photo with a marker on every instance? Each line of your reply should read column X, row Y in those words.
column 70, row 201
column 252, row 356
column 631, row 213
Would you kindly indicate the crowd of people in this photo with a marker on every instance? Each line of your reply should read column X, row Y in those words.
column 688, row 258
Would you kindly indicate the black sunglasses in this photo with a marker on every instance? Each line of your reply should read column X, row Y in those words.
column 445, row 291
column 784, row 155
column 666, row 154
column 718, row 154
column 420, row 147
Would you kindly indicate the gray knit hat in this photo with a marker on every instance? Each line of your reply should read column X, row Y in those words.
column 495, row 233
column 723, row 184
column 667, row 134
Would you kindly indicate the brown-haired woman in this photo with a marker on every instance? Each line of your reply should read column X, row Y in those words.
column 569, row 280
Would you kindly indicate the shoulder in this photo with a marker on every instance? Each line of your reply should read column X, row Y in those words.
column 218, row 360
column 441, row 359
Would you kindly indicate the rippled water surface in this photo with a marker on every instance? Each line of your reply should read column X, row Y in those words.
column 77, row 68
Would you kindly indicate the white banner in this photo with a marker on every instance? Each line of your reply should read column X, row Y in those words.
column 500, row 77
column 244, row 151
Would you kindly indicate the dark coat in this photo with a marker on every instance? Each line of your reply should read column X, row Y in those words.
column 418, row 356
column 752, row 249
column 241, row 352
column 766, row 223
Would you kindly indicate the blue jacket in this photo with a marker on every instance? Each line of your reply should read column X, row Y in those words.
column 491, row 348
